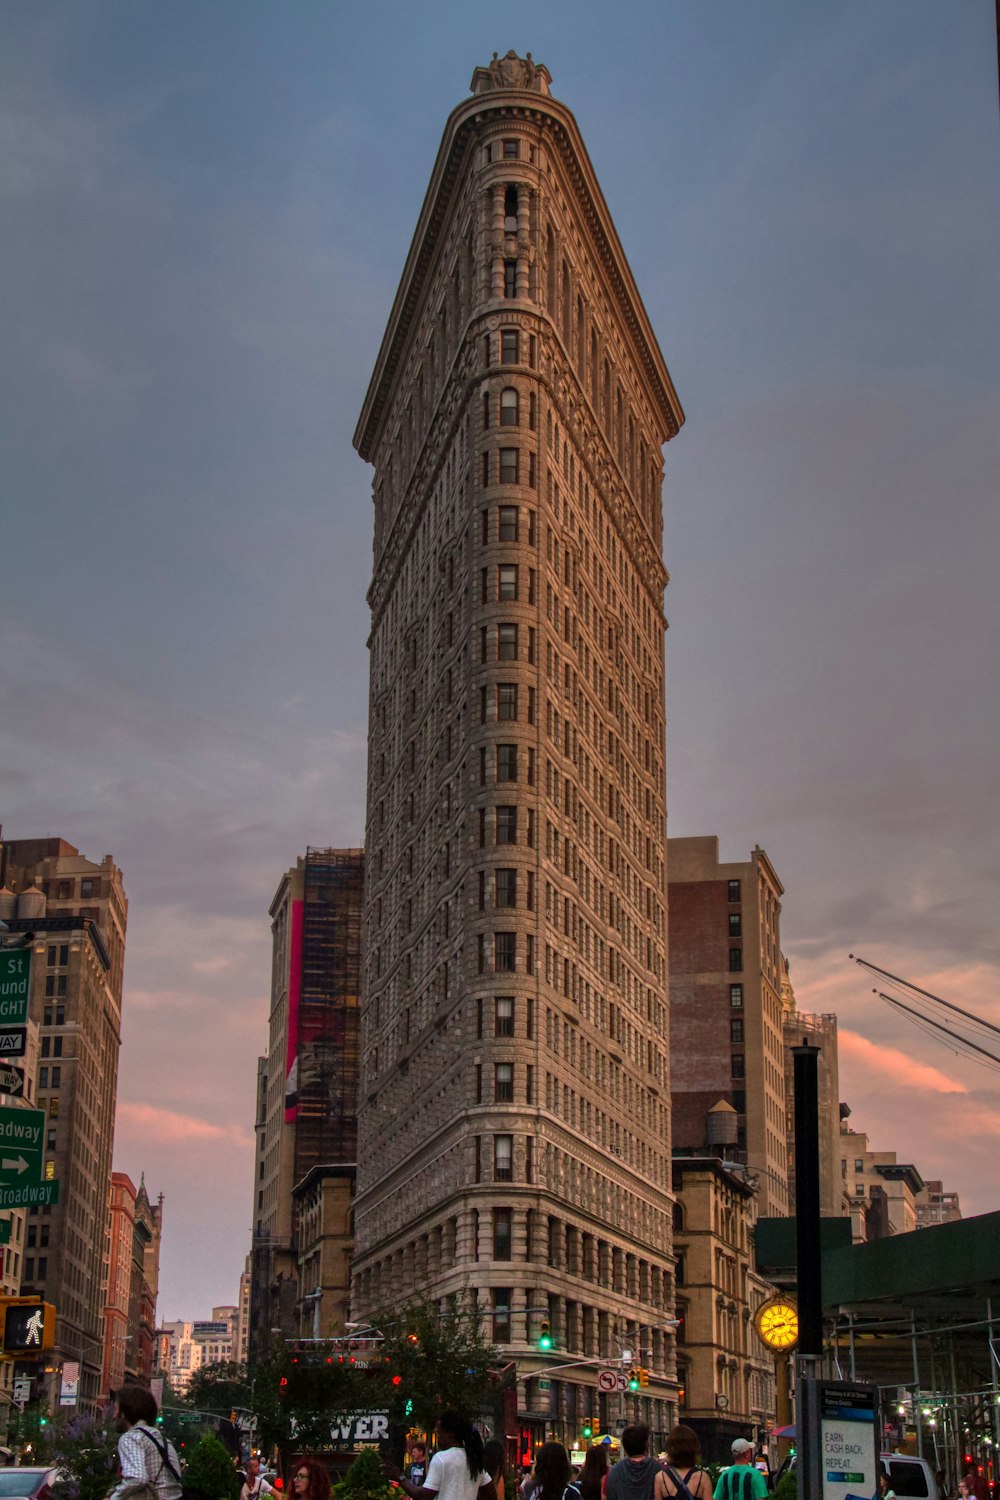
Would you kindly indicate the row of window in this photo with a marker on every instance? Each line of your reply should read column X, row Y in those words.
column 508, row 525
column 508, row 643
column 55, row 984
column 505, row 888
column 506, row 762
column 508, row 408
column 506, row 701
column 503, row 1083
column 57, row 955
column 508, row 469
column 505, row 825
column 505, row 953
column 507, row 584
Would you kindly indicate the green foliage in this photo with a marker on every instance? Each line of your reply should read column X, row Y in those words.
column 85, row 1452
column 441, row 1361
column 364, row 1480
column 219, row 1387
column 210, row 1473
column 787, row 1486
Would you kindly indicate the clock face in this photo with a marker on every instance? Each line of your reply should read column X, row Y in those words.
column 778, row 1324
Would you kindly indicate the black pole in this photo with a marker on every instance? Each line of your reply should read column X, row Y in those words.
column 807, row 1247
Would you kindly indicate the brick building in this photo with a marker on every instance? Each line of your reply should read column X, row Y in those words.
column 514, row 1130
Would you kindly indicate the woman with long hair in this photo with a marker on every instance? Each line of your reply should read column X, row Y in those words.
column 457, row 1471
column 493, row 1464
column 310, row 1481
column 682, row 1478
column 552, row 1474
column 593, row 1480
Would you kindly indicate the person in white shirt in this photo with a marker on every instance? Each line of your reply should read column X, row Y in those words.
column 144, row 1454
column 456, row 1471
column 254, row 1486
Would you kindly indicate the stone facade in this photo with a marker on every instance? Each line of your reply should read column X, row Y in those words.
column 725, row 1006
column 726, row 1371
column 514, row 1128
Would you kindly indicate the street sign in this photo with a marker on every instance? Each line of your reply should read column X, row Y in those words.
column 13, row 1041
column 22, row 1134
column 11, row 1080
column 607, row 1380
column 22, row 1390
column 30, row 1194
column 15, row 986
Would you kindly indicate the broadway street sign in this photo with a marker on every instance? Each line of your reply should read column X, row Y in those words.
column 30, row 1194
column 15, row 986
column 22, row 1134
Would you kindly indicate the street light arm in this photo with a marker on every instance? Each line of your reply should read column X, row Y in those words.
column 570, row 1365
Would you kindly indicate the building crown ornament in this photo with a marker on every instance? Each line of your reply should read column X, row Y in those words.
column 512, row 72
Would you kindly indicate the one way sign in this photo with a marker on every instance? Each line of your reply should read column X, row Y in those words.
column 11, row 1080
column 13, row 1041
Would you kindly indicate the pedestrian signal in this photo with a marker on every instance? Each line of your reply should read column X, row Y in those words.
column 29, row 1325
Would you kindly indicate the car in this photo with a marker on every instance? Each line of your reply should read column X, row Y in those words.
column 910, row 1478
column 27, row 1483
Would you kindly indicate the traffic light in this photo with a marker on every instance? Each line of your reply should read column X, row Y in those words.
column 545, row 1336
column 644, row 1378
column 29, row 1325
column 588, row 1431
column 633, row 1381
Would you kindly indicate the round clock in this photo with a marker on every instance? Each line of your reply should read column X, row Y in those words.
column 777, row 1322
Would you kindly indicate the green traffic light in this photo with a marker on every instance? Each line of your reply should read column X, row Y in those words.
column 588, row 1431
column 633, row 1383
column 545, row 1341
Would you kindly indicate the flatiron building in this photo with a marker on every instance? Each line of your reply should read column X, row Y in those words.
column 514, row 1100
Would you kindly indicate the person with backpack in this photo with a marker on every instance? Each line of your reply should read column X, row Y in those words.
column 633, row 1477
column 673, row 1483
column 742, row 1480
column 150, row 1468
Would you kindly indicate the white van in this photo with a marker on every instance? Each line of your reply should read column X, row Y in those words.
column 911, row 1478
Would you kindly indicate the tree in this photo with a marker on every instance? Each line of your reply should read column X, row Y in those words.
column 219, row 1388
column 209, row 1472
column 84, row 1451
column 364, row 1480
column 441, row 1361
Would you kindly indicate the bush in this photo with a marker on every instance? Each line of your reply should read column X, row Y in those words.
column 209, row 1472
column 364, row 1480
column 787, row 1486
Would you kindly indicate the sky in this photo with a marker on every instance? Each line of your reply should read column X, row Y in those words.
column 206, row 211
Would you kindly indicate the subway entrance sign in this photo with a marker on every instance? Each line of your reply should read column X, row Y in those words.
column 15, row 985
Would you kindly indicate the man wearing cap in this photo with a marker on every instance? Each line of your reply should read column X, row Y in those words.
column 742, row 1481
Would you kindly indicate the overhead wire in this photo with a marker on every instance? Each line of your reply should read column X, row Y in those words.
column 920, row 1012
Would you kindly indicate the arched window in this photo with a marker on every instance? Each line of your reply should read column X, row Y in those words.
column 508, row 407
column 679, row 1218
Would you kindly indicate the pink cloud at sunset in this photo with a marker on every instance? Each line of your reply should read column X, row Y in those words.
column 160, row 1127
column 903, row 1071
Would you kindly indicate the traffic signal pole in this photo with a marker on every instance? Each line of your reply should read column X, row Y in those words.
column 808, row 1270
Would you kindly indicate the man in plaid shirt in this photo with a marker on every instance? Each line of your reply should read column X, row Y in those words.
column 144, row 1454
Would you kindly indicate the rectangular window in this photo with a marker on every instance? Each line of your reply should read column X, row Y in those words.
column 736, row 1031
column 56, row 1077
column 503, row 1083
column 50, row 957
column 735, row 960
column 486, row 468
column 501, row 1315
column 506, row 825
column 504, row 952
column 737, row 1065
column 86, row 888
column 506, row 763
column 859, row 1164
column 506, row 888
column 507, row 581
column 509, row 346
column 509, row 465
column 736, row 997
column 502, row 1223
column 506, row 700
column 503, row 1158
column 507, row 643
column 510, row 150
column 510, row 278
column 508, row 523
column 504, row 1021
column 735, row 925
column 734, row 890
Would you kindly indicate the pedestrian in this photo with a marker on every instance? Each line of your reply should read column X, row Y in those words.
column 553, row 1474
column 527, row 1481
column 456, row 1472
column 310, row 1481
column 683, row 1452
column 493, row 1464
column 742, row 1480
column 416, row 1469
column 147, row 1460
column 633, row 1477
column 593, row 1481
column 254, row 1485
column 885, row 1489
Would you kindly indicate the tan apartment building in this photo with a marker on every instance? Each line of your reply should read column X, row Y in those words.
column 77, row 910
column 514, row 1129
column 726, row 1018
column 819, row 1031
column 306, row 1122
column 882, row 1193
column 935, row 1205
column 725, row 1371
